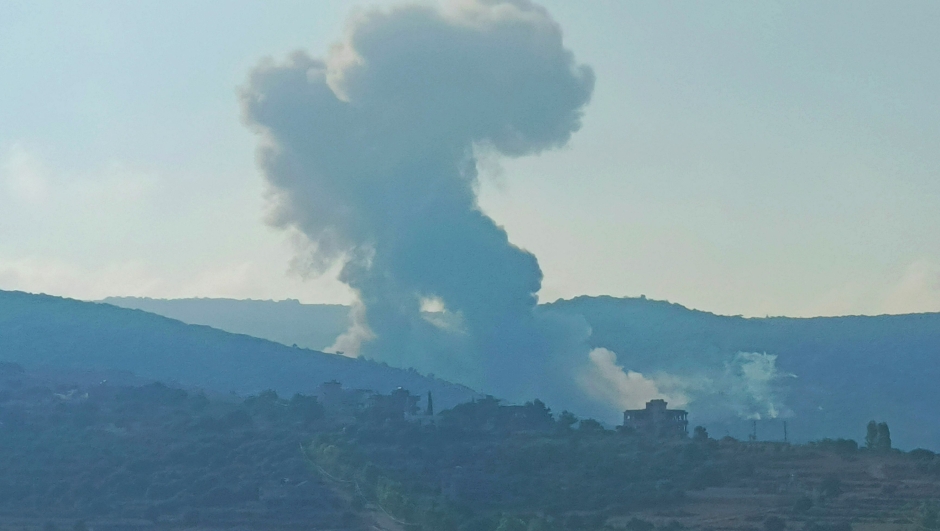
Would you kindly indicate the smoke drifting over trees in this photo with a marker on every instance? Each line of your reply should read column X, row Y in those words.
column 370, row 154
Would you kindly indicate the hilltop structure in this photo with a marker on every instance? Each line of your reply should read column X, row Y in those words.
column 340, row 401
column 657, row 421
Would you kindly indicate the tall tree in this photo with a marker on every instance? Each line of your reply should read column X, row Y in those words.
column 700, row 434
column 871, row 437
column 884, row 437
column 878, row 436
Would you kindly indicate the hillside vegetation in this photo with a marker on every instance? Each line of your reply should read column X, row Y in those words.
column 85, row 454
column 845, row 370
column 313, row 326
column 41, row 330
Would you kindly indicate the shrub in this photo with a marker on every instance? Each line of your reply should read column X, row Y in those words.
column 636, row 524
column 930, row 516
column 803, row 504
column 922, row 454
column 774, row 523
column 831, row 487
column 591, row 426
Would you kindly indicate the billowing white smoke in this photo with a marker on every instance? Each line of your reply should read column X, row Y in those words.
column 748, row 385
column 610, row 383
column 752, row 386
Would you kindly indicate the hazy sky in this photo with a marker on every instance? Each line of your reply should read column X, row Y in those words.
column 741, row 158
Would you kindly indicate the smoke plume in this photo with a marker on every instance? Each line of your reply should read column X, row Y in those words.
column 753, row 386
column 369, row 152
column 746, row 385
column 610, row 383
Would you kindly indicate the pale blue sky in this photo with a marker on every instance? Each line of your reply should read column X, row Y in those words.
column 743, row 158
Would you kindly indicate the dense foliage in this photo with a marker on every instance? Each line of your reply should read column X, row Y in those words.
column 847, row 369
column 114, row 453
column 157, row 453
column 47, row 331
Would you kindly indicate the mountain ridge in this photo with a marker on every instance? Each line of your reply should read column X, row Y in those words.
column 833, row 373
column 43, row 330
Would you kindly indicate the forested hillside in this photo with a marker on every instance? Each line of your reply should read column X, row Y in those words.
column 82, row 452
column 120, row 456
column 313, row 326
column 839, row 371
column 41, row 330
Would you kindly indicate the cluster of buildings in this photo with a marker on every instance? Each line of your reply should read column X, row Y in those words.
column 655, row 420
column 394, row 406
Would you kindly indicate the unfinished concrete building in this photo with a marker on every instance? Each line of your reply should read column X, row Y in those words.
column 657, row 421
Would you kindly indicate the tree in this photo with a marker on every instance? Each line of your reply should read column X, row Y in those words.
column 922, row 454
column 878, row 436
column 566, row 420
column 871, row 437
column 591, row 426
column 884, row 437
column 430, row 410
column 700, row 434
column 775, row 523
column 831, row 487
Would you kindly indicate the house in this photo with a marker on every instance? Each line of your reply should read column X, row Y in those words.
column 338, row 400
column 657, row 421
column 398, row 405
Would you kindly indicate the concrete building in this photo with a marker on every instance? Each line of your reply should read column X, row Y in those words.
column 657, row 421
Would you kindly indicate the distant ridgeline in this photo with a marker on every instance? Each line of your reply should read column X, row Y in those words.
column 53, row 332
column 313, row 326
column 833, row 374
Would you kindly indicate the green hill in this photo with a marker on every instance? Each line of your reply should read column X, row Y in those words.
column 845, row 370
column 839, row 372
column 41, row 330
column 313, row 326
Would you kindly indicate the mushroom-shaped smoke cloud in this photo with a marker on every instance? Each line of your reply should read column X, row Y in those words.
column 370, row 154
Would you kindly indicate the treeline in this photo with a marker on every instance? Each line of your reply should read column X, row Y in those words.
column 178, row 458
column 484, row 466
column 159, row 454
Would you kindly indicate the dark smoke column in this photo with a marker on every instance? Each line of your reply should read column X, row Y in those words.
column 370, row 154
